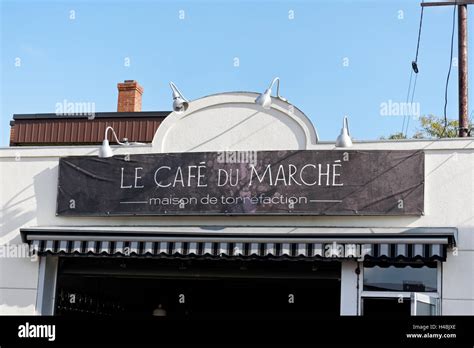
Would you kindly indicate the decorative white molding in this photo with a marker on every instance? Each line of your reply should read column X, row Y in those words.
column 232, row 121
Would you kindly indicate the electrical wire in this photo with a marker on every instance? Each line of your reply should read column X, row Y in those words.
column 449, row 73
column 414, row 69
column 469, row 123
column 408, row 96
column 411, row 104
column 419, row 34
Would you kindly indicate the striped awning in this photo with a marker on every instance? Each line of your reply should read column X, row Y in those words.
column 222, row 247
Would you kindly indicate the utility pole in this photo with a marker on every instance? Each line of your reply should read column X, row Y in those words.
column 462, row 58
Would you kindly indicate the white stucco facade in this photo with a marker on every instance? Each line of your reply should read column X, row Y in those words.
column 232, row 121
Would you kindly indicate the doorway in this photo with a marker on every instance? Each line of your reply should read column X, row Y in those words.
column 383, row 306
column 197, row 289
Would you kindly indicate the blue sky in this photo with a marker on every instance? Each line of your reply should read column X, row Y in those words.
column 334, row 57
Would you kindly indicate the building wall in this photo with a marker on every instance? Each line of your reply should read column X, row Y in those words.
column 29, row 182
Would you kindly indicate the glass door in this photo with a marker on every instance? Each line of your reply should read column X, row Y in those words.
column 424, row 304
column 400, row 289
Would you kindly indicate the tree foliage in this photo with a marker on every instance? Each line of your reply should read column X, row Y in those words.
column 398, row 135
column 432, row 127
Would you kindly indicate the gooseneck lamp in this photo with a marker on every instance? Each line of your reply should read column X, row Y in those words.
column 344, row 139
column 180, row 103
column 105, row 150
column 265, row 99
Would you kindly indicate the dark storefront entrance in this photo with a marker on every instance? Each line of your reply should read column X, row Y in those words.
column 197, row 289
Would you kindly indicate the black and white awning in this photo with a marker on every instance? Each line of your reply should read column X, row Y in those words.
column 241, row 249
column 219, row 246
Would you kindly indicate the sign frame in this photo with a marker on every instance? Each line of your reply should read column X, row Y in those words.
column 389, row 164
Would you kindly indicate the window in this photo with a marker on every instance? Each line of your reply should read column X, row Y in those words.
column 421, row 279
column 401, row 290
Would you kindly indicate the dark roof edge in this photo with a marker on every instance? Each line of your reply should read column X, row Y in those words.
column 96, row 115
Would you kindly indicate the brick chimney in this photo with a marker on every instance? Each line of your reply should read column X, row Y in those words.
column 129, row 96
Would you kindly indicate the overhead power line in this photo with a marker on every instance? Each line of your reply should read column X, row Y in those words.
column 449, row 73
column 414, row 69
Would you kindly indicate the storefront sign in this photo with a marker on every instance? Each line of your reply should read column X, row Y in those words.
column 307, row 182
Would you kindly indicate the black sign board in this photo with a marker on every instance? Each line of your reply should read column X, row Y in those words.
column 303, row 182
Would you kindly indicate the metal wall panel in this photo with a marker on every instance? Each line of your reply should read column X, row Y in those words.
column 81, row 131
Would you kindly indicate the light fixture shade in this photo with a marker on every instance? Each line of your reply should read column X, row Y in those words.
column 180, row 105
column 105, row 150
column 159, row 312
column 344, row 139
column 265, row 99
